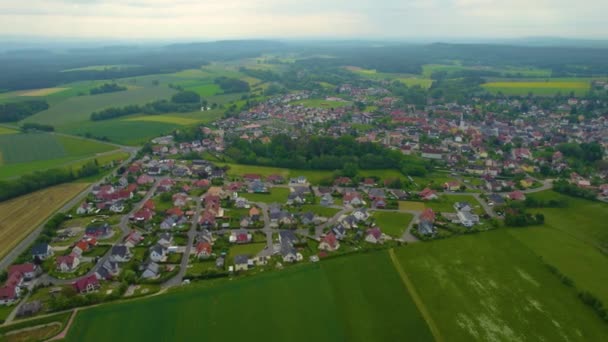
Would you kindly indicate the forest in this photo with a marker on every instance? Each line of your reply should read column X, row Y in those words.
column 324, row 153
column 16, row 111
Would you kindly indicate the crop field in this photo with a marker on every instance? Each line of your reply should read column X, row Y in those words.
column 429, row 69
column 549, row 87
column 5, row 130
column 103, row 67
column 164, row 119
column 276, row 195
column 20, row 216
column 121, row 131
column 32, row 329
column 411, row 205
column 79, row 108
column 338, row 300
column 392, row 223
column 409, row 80
column 572, row 240
column 22, row 148
column 42, row 92
column 491, row 287
column 26, row 153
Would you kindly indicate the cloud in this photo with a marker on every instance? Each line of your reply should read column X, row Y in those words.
column 296, row 18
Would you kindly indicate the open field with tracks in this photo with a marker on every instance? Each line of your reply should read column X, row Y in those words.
column 20, row 216
column 491, row 287
column 574, row 240
column 338, row 300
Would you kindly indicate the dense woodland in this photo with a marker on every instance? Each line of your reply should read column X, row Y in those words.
column 232, row 85
column 16, row 111
column 107, row 88
column 323, row 153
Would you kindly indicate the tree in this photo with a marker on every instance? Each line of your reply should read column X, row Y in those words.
column 186, row 97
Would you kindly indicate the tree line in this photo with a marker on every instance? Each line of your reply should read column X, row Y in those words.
column 107, row 88
column 231, row 85
column 16, row 111
column 182, row 102
column 44, row 179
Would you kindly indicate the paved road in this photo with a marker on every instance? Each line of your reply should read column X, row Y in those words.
column 179, row 277
column 29, row 240
column 124, row 227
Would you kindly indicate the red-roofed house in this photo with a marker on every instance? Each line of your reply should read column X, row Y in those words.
column 451, row 186
column 87, row 284
column 145, row 179
column 144, row 214
column 67, row 263
column 203, row 250
column 28, row 270
column 9, row 294
column 428, row 194
column 517, row 196
column 149, row 205
column 329, row 243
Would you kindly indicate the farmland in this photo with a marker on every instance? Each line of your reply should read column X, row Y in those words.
column 492, row 287
column 572, row 240
column 5, row 130
column 429, row 69
column 26, row 153
column 548, row 87
column 409, row 80
column 392, row 223
column 335, row 301
column 20, row 216
column 79, row 108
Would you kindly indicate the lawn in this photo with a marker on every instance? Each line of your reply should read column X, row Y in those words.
column 59, row 321
column 548, row 87
column 392, row 223
column 339, row 300
column 276, row 195
column 22, row 215
column 6, row 310
column 445, row 203
column 491, row 287
column 321, row 210
column 411, row 205
column 251, row 249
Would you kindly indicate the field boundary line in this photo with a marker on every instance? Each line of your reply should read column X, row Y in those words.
column 417, row 300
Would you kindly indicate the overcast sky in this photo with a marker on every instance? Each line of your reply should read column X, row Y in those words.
column 220, row 19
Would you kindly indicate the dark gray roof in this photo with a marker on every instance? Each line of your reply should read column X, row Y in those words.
column 120, row 250
column 40, row 249
column 241, row 259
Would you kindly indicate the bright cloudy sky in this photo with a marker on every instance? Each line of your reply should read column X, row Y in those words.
column 219, row 19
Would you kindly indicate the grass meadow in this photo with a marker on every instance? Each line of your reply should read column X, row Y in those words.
column 409, row 80
column 276, row 195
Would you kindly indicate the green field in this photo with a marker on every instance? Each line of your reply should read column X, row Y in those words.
column 313, row 176
column 572, row 240
column 338, row 300
column 138, row 129
column 491, row 287
column 26, row 153
column 251, row 249
column 429, row 69
column 103, row 67
column 548, row 87
column 5, row 130
column 320, row 103
column 276, row 195
column 79, row 108
column 392, row 223
column 409, row 80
